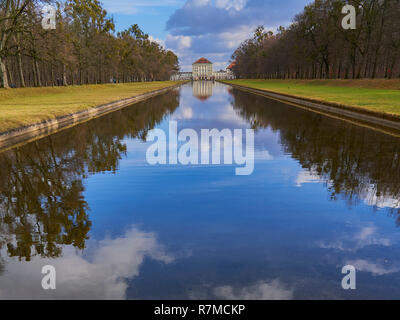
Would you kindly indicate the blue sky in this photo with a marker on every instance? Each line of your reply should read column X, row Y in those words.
column 202, row 28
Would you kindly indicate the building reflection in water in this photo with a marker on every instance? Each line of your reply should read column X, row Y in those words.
column 203, row 89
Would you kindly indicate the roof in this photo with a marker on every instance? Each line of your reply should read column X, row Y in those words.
column 203, row 98
column 202, row 60
column 233, row 64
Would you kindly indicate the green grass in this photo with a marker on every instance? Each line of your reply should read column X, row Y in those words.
column 381, row 96
column 25, row 106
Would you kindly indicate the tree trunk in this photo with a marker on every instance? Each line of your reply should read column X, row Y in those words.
column 21, row 71
column 3, row 69
column 65, row 82
column 36, row 66
column 19, row 62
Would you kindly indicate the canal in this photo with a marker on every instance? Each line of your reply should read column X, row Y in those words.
column 324, row 193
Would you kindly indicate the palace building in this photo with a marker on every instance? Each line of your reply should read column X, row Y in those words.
column 202, row 69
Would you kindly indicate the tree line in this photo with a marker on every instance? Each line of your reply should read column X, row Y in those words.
column 84, row 48
column 316, row 45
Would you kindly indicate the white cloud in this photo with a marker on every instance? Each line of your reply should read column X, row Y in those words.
column 260, row 291
column 376, row 269
column 365, row 233
column 178, row 42
column 366, row 236
column 219, row 26
column 213, row 31
column 306, row 176
column 104, row 276
column 228, row 114
column 159, row 41
column 183, row 113
column 216, row 47
column 382, row 201
column 231, row 4
column 263, row 155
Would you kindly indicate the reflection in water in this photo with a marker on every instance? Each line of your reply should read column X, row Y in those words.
column 41, row 184
column 367, row 236
column 104, row 275
column 261, row 291
column 356, row 163
column 272, row 235
column 375, row 268
column 202, row 89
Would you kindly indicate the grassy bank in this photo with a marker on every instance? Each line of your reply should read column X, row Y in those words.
column 381, row 96
column 25, row 106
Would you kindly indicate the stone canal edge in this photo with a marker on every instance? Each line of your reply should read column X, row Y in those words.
column 19, row 136
column 387, row 123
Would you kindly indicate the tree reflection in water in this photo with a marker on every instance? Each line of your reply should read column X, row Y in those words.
column 42, row 207
column 356, row 163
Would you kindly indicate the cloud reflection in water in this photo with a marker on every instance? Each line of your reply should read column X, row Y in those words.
column 260, row 291
column 104, row 276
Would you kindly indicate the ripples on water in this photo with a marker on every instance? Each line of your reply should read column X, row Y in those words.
column 324, row 193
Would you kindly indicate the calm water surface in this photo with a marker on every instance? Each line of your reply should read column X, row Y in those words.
column 324, row 193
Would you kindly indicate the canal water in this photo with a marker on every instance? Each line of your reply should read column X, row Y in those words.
column 324, row 193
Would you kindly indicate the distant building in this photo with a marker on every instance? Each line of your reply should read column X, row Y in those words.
column 229, row 71
column 220, row 75
column 202, row 69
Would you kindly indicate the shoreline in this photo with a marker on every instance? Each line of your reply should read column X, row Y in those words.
column 19, row 136
column 365, row 117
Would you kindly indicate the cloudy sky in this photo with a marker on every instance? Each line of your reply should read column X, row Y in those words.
column 202, row 28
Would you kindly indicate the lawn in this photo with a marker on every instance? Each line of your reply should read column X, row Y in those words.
column 381, row 96
column 25, row 106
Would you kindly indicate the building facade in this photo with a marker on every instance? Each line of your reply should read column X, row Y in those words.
column 202, row 69
column 221, row 75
